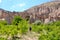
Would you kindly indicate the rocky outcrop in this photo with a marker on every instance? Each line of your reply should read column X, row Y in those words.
column 47, row 12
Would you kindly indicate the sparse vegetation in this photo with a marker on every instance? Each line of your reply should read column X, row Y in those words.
column 49, row 31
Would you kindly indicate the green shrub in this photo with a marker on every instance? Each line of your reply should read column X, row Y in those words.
column 16, row 20
column 23, row 25
column 52, row 32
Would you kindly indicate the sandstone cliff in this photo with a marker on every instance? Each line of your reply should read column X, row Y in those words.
column 46, row 12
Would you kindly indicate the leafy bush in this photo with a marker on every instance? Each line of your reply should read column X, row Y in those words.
column 51, row 32
column 16, row 20
column 23, row 25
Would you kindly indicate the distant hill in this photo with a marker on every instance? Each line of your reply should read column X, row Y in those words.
column 47, row 12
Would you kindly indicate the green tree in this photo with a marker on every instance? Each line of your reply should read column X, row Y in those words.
column 16, row 20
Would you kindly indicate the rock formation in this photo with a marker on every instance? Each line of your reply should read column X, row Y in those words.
column 47, row 12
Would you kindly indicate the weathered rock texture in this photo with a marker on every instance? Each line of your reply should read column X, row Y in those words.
column 46, row 12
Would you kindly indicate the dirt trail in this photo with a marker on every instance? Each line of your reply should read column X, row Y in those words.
column 30, row 36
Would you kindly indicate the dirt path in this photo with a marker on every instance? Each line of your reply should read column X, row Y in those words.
column 30, row 36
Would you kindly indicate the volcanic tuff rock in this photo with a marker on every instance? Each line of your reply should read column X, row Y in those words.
column 47, row 12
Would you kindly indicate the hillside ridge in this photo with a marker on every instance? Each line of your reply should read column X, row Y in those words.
column 47, row 12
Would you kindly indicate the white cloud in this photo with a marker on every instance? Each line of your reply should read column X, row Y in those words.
column 0, row 1
column 16, row 6
column 19, row 5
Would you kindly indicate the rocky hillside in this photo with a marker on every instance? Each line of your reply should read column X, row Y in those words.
column 47, row 12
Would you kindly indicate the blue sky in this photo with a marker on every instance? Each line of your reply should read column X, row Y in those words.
column 19, row 5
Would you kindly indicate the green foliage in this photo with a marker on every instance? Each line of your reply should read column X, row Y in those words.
column 3, row 22
column 23, row 25
column 21, row 28
column 37, row 28
column 50, row 35
column 16, row 20
column 50, row 31
column 2, row 38
column 57, row 23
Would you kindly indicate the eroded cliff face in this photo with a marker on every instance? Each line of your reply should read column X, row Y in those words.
column 47, row 12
